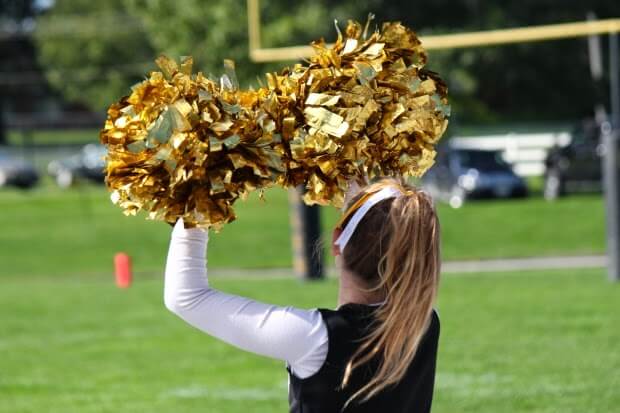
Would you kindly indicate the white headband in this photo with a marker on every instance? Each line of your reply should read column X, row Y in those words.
column 349, row 229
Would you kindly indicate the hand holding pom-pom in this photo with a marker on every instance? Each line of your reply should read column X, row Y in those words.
column 186, row 146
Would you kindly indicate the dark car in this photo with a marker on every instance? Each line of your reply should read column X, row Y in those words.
column 460, row 174
column 577, row 166
column 15, row 172
column 87, row 165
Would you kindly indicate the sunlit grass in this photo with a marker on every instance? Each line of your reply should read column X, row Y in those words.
column 49, row 231
column 513, row 342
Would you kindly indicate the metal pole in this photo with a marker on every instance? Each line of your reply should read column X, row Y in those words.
column 306, row 237
column 3, row 137
column 595, row 54
column 610, row 132
column 312, row 239
column 614, row 68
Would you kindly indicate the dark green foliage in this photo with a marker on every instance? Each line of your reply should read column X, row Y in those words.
column 112, row 44
column 93, row 51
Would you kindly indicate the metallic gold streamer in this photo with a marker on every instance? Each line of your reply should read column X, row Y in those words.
column 182, row 145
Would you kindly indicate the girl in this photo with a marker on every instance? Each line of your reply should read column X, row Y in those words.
column 377, row 351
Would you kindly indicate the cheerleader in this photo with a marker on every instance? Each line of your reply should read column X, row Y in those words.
column 376, row 352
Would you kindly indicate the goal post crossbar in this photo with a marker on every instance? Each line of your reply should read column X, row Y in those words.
column 445, row 41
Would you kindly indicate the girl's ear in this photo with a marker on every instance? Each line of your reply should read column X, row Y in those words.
column 335, row 248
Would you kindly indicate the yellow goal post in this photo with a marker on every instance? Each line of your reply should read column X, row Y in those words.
column 610, row 132
column 445, row 41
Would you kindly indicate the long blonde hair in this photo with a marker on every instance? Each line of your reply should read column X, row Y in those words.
column 395, row 250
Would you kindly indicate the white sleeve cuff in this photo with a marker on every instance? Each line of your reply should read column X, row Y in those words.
column 197, row 234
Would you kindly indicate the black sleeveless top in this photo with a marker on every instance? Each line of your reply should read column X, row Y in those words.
column 321, row 392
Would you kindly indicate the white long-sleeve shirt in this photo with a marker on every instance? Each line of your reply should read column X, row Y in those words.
column 298, row 337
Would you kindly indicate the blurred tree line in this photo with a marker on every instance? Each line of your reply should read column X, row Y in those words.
column 92, row 51
column 17, row 59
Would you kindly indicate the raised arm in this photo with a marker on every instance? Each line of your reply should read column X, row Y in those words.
column 296, row 336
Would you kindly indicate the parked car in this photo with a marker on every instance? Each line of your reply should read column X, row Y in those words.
column 461, row 174
column 15, row 172
column 87, row 165
column 576, row 167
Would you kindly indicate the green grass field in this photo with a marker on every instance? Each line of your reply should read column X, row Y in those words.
column 514, row 342
column 77, row 232
column 71, row 342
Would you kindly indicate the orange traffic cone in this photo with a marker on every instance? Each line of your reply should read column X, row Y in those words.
column 122, row 268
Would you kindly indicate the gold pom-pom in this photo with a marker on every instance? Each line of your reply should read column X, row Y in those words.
column 362, row 108
column 186, row 146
